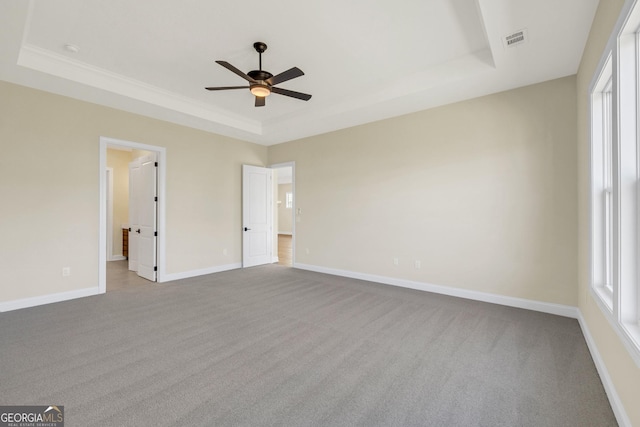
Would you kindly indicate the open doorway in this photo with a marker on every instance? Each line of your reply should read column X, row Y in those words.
column 285, row 209
column 116, row 224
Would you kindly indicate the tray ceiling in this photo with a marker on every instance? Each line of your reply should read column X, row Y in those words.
column 363, row 60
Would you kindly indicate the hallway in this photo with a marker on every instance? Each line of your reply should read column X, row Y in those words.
column 120, row 278
column 285, row 250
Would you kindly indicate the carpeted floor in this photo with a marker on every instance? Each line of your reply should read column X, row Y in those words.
column 274, row 346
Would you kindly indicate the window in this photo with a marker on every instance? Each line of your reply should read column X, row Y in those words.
column 615, row 180
column 289, row 200
column 602, row 183
column 607, row 180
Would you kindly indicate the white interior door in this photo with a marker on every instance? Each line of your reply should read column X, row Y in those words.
column 143, row 202
column 134, row 223
column 147, row 208
column 257, row 215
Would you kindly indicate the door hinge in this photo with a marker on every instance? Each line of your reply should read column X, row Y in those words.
column 155, row 268
column 156, row 164
column 155, row 233
column 155, row 199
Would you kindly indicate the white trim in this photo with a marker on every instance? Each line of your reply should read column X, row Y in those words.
column 612, row 42
column 162, row 179
column 614, row 399
column 59, row 65
column 544, row 307
column 118, row 258
column 47, row 299
column 623, row 335
column 275, row 260
column 291, row 165
column 109, row 172
column 168, row 277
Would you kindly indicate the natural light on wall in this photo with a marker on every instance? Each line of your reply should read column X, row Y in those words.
column 615, row 180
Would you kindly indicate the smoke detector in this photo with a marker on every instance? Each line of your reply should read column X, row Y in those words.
column 71, row 48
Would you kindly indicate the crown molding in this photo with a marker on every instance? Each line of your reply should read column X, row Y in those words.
column 45, row 61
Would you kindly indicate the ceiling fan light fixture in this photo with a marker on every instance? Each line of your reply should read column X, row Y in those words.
column 261, row 90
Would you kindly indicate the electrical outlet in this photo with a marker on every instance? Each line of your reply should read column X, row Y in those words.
column 307, row 251
column 66, row 271
column 396, row 261
column 418, row 265
column 225, row 251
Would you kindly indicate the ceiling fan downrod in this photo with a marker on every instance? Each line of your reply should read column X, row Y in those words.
column 260, row 47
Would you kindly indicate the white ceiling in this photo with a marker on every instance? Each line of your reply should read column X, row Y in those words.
column 364, row 60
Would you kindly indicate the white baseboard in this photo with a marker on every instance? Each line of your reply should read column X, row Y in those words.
column 275, row 260
column 117, row 258
column 544, row 307
column 614, row 399
column 200, row 272
column 47, row 299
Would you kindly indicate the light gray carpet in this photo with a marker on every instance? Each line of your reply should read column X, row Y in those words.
column 274, row 346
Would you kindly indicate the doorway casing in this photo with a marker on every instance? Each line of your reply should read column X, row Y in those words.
column 291, row 165
column 105, row 142
column 109, row 195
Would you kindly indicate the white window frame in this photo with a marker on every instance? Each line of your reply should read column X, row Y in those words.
column 615, row 240
column 289, row 200
column 602, row 172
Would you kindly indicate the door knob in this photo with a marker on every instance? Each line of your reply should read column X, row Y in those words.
column 246, row 229
column 138, row 231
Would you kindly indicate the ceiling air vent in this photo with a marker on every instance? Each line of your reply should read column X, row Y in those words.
column 515, row 39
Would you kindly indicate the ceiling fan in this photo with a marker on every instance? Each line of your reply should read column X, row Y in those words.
column 262, row 83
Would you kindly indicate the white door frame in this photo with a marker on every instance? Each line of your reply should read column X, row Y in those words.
column 292, row 165
column 105, row 142
column 109, row 195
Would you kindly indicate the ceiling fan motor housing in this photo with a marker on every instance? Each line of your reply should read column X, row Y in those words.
column 260, row 75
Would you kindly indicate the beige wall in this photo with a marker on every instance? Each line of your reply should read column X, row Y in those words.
column 285, row 214
column 481, row 192
column 49, row 188
column 624, row 373
column 119, row 160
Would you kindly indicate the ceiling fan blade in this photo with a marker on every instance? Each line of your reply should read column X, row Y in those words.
column 233, row 69
column 260, row 101
column 291, row 73
column 227, row 87
column 285, row 92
